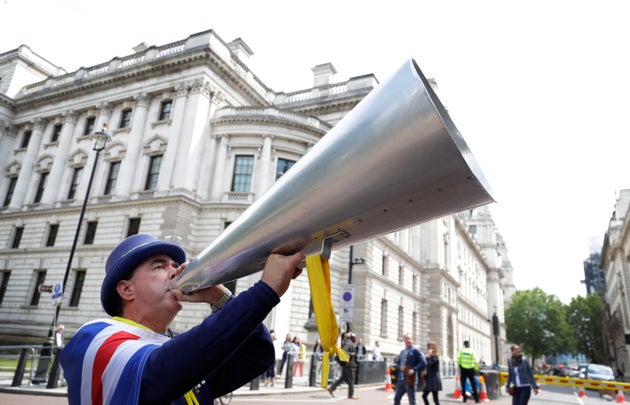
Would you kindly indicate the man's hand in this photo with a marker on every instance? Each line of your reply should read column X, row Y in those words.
column 280, row 270
column 209, row 295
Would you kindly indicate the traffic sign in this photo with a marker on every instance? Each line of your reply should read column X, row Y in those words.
column 346, row 306
column 57, row 293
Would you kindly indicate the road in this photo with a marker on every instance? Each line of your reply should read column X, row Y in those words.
column 367, row 396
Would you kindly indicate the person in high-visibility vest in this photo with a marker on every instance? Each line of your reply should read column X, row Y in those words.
column 468, row 367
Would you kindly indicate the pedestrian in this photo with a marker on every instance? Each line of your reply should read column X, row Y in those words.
column 410, row 363
column 376, row 351
column 468, row 367
column 286, row 349
column 59, row 336
column 520, row 378
column 299, row 355
column 347, row 367
column 433, row 381
column 134, row 357
column 361, row 350
column 269, row 377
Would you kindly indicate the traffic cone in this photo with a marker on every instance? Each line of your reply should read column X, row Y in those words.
column 620, row 398
column 388, row 381
column 483, row 396
column 582, row 393
column 458, row 393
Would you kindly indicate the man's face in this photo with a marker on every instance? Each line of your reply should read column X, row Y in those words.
column 408, row 341
column 149, row 284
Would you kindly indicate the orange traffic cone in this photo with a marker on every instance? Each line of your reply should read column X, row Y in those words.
column 582, row 393
column 620, row 398
column 483, row 396
column 388, row 381
column 458, row 393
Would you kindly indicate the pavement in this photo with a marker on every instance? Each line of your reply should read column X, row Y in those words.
column 300, row 385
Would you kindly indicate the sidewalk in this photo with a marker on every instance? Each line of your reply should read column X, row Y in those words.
column 300, row 384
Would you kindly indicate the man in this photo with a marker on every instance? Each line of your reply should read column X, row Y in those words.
column 347, row 368
column 135, row 358
column 468, row 367
column 411, row 362
column 59, row 336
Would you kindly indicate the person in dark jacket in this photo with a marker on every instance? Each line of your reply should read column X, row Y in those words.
column 134, row 357
column 433, row 382
column 347, row 368
column 410, row 363
column 520, row 378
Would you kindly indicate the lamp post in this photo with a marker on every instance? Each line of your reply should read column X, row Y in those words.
column 351, row 264
column 100, row 142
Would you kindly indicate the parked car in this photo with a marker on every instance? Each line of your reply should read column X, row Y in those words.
column 599, row 372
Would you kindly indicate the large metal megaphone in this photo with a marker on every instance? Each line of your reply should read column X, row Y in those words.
column 394, row 161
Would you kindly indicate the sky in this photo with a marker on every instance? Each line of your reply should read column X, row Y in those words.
column 540, row 90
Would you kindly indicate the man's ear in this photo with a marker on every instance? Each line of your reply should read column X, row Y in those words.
column 126, row 290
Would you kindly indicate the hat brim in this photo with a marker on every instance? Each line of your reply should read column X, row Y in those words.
column 128, row 262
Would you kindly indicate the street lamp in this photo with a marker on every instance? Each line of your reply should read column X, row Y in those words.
column 100, row 142
column 351, row 264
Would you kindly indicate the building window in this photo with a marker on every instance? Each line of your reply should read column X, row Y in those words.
column 401, row 323
column 90, row 233
column 154, row 172
column 283, row 166
column 56, row 132
column 26, row 137
column 384, row 318
column 77, row 288
column 385, row 264
column 41, row 186
column 3, row 283
column 125, row 118
column 134, row 226
column 52, row 234
column 74, row 183
column 89, row 126
column 401, row 275
column 17, row 237
column 165, row 110
column 40, row 275
column 415, row 330
column 112, row 177
column 10, row 190
column 243, row 168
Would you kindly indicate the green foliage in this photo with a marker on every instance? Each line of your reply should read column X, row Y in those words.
column 585, row 315
column 537, row 322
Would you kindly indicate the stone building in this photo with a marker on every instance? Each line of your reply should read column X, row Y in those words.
column 196, row 138
column 615, row 256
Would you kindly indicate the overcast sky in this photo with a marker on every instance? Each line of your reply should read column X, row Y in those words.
column 540, row 90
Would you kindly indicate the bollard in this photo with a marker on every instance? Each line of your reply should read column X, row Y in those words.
column 254, row 385
column 53, row 377
column 288, row 381
column 19, row 371
column 312, row 375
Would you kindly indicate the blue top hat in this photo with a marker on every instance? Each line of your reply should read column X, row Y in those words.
column 126, row 257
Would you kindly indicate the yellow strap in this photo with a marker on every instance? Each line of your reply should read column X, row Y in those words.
column 319, row 280
column 191, row 399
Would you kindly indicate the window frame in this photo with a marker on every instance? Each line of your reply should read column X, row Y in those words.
column 242, row 174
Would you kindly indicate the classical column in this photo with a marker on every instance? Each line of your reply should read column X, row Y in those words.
column 190, row 142
column 128, row 165
column 219, row 173
column 26, row 170
column 265, row 164
column 170, row 156
column 53, row 190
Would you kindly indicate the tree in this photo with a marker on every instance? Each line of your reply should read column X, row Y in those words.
column 585, row 315
column 537, row 322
